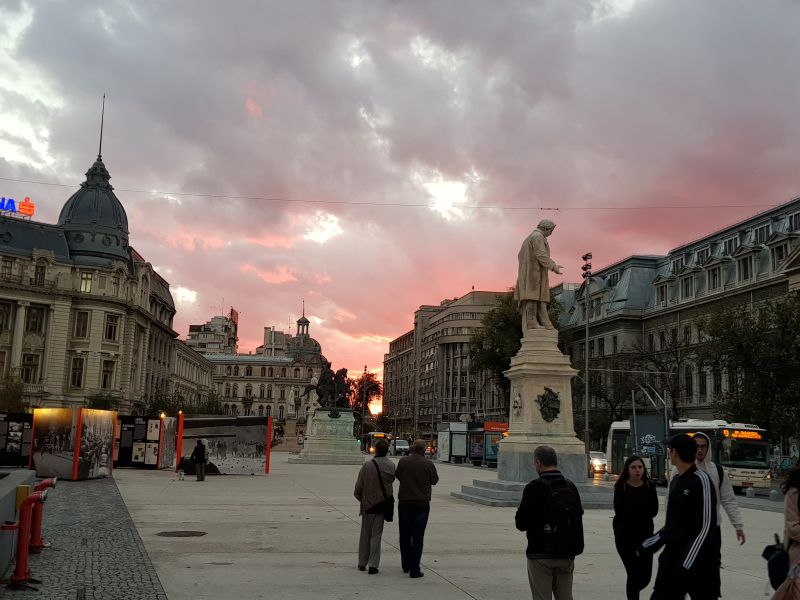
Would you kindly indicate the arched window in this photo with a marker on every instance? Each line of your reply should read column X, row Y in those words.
column 283, row 372
column 226, row 409
column 269, row 391
column 269, row 410
column 263, row 371
column 248, row 391
column 297, row 373
column 280, row 412
column 310, row 373
column 248, row 372
column 260, row 410
column 228, row 370
column 283, row 392
column 234, row 410
column 235, row 390
column 227, row 391
column 236, row 371
column 270, row 372
column 261, row 391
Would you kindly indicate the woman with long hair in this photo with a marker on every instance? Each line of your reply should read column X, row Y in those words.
column 635, row 507
column 790, row 589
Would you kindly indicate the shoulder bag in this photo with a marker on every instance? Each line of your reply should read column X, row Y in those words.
column 388, row 501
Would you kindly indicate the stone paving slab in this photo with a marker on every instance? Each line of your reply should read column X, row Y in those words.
column 95, row 553
column 294, row 534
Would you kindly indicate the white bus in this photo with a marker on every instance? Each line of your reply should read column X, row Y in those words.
column 741, row 448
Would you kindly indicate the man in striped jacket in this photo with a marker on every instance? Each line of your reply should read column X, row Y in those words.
column 686, row 565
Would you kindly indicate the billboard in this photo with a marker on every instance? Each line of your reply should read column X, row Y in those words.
column 168, row 445
column 15, row 439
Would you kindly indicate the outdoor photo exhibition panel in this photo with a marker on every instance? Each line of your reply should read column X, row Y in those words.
column 15, row 439
column 234, row 445
column 72, row 443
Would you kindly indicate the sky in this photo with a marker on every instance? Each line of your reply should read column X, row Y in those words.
column 371, row 156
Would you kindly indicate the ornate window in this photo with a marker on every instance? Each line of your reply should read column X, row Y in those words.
column 248, row 371
column 263, row 371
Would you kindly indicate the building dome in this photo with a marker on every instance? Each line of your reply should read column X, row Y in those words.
column 94, row 220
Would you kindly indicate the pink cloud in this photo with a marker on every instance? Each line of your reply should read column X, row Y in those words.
column 253, row 108
column 282, row 275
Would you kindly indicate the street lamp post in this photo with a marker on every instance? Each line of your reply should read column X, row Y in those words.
column 587, row 276
column 363, row 399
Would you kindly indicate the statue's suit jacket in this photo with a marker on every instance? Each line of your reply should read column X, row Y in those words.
column 534, row 263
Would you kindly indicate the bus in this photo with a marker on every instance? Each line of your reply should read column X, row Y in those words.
column 741, row 448
column 372, row 438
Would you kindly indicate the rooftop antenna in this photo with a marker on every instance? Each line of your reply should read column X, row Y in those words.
column 304, row 307
column 102, row 118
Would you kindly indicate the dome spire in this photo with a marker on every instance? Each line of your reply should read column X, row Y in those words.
column 102, row 118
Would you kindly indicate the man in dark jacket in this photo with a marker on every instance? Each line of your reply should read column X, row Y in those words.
column 551, row 514
column 199, row 460
column 687, row 564
column 416, row 475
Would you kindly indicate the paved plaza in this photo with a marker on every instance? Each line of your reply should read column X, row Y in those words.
column 293, row 535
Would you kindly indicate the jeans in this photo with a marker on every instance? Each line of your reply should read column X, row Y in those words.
column 638, row 568
column 413, row 518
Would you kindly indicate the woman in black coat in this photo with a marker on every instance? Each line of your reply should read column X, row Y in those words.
column 635, row 506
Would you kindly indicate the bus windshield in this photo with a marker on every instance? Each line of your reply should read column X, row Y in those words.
column 744, row 454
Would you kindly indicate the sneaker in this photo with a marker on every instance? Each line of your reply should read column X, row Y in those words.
column 372, row 570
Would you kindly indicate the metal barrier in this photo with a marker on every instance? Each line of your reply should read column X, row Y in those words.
column 37, row 543
column 21, row 579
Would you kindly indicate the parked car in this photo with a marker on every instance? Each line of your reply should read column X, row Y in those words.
column 400, row 448
column 597, row 462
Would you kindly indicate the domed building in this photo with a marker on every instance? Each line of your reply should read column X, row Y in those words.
column 272, row 380
column 84, row 318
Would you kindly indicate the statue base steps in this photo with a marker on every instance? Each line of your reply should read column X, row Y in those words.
column 330, row 439
column 509, row 493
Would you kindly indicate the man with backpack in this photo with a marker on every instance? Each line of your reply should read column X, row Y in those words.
column 551, row 515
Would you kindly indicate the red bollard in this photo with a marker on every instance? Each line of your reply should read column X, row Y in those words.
column 37, row 543
column 22, row 574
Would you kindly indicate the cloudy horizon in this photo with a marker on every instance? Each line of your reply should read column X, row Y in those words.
column 371, row 156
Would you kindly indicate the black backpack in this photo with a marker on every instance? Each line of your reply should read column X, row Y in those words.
column 563, row 516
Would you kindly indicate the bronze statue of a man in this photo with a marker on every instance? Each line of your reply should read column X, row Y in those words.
column 533, row 288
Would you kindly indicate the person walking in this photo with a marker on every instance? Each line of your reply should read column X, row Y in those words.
column 198, row 459
column 790, row 589
column 416, row 475
column 726, row 498
column 373, row 492
column 635, row 507
column 690, row 553
column 552, row 516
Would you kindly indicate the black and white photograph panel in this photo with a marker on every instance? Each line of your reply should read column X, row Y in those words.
column 54, row 441
column 169, row 442
column 96, row 443
column 234, row 445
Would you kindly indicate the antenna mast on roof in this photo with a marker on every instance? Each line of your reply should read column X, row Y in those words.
column 102, row 118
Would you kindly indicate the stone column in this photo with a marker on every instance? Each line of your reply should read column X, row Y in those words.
column 541, row 410
column 19, row 332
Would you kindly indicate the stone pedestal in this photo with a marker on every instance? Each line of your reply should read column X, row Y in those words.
column 541, row 415
column 541, row 411
column 329, row 439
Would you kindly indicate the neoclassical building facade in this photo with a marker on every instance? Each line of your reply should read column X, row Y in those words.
column 649, row 306
column 82, row 314
column 271, row 381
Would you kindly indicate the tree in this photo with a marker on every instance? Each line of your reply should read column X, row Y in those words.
column 103, row 401
column 758, row 348
column 362, row 391
column 12, row 395
column 493, row 345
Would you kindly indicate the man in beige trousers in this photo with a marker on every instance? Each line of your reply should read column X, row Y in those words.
column 373, row 487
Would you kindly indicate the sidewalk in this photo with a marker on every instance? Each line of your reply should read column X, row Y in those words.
column 293, row 535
